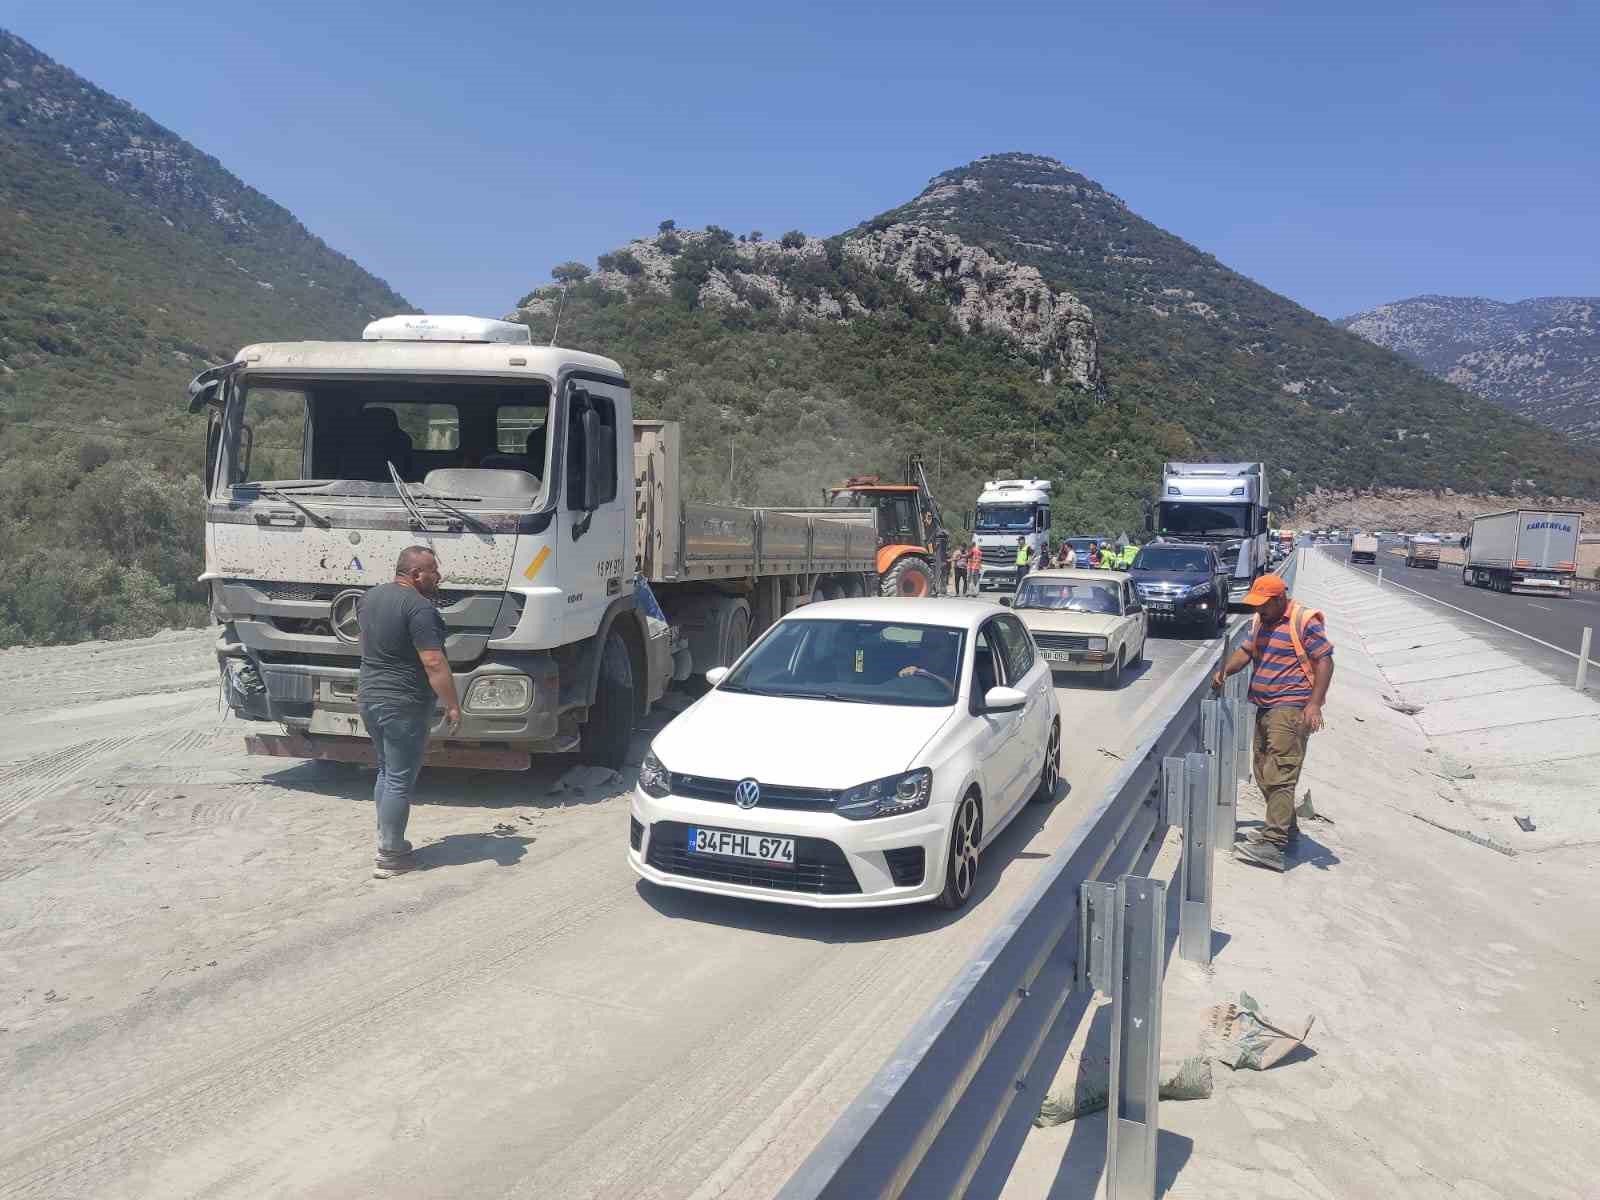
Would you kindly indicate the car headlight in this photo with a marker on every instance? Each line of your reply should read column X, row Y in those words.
column 1200, row 589
column 1096, row 643
column 887, row 797
column 500, row 693
column 654, row 779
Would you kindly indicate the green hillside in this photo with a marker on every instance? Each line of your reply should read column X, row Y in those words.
column 118, row 282
column 1248, row 373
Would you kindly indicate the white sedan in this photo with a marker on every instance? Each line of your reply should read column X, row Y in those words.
column 862, row 752
column 1084, row 620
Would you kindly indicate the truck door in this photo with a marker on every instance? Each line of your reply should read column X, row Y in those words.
column 596, row 566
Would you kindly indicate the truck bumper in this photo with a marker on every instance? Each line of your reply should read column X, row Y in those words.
column 359, row 750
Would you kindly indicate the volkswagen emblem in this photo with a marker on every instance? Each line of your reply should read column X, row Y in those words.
column 747, row 794
column 345, row 616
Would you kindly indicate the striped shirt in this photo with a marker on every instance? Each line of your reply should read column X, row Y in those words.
column 1278, row 677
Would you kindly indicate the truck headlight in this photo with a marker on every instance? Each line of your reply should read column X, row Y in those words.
column 654, row 779
column 886, row 797
column 499, row 694
column 1096, row 643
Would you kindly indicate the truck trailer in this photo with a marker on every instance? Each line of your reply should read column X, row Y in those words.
column 578, row 580
column 1524, row 550
column 1364, row 548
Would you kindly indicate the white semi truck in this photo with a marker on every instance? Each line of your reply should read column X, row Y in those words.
column 1223, row 504
column 577, row 579
column 1524, row 550
column 1009, row 509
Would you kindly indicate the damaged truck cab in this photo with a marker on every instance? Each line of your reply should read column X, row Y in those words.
column 515, row 464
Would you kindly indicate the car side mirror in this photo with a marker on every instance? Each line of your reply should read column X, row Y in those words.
column 1005, row 601
column 716, row 675
column 1003, row 699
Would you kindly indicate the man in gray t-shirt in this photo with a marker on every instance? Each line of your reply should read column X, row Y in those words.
column 403, row 668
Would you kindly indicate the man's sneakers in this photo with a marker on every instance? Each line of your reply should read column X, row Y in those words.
column 388, row 864
column 1259, row 835
column 1260, row 854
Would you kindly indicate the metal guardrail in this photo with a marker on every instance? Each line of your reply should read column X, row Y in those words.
column 970, row 1075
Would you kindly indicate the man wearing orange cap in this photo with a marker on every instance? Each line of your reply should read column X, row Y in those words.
column 1294, row 666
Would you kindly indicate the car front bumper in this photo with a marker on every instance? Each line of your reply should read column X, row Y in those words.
column 1173, row 610
column 863, row 848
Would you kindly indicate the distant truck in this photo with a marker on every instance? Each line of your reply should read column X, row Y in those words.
column 1524, row 550
column 1422, row 550
column 1223, row 505
column 1009, row 509
column 578, row 578
column 1364, row 548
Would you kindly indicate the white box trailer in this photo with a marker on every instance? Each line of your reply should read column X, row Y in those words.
column 1524, row 550
column 1364, row 548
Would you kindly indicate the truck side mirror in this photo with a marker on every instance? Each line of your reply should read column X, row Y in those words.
column 594, row 464
column 241, row 462
column 966, row 519
column 213, row 445
column 1149, row 521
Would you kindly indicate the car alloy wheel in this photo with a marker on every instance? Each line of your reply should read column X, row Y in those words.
column 961, row 868
column 1052, row 768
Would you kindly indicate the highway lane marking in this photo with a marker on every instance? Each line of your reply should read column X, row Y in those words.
column 1543, row 607
column 1468, row 612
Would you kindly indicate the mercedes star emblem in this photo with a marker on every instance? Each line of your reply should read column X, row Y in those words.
column 345, row 616
column 747, row 794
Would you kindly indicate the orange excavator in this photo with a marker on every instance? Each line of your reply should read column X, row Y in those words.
column 913, row 544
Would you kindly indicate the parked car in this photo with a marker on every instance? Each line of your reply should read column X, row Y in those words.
column 861, row 753
column 1084, row 621
column 1181, row 583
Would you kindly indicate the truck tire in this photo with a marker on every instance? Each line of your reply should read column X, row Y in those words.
column 852, row 586
column 912, row 575
column 831, row 588
column 603, row 739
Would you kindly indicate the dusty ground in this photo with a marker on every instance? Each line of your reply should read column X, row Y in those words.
column 204, row 993
column 1456, row 1051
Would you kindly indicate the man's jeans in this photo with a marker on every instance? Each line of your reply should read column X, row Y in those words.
column 399, row 734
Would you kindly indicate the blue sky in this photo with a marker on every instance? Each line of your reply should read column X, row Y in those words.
column 1343, row 154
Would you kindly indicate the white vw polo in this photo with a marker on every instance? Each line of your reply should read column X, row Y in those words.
column 862, row 752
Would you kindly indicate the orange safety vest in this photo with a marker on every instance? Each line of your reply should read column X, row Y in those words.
column 1299, row 617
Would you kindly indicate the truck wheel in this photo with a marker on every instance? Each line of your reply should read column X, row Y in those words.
column 831, row 589
column 912, row 575
column 604, row 737
column 852, row 586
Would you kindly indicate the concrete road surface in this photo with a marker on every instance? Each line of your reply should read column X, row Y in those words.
column 205, row 992
column 1556, row 620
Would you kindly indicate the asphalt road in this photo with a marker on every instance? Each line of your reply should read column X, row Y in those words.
column 204, row 992
column 1555, row 620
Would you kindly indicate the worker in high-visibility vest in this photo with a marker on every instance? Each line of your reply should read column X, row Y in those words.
column 1024, row 558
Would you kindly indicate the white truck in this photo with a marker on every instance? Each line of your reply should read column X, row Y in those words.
column 1009, row 509
column 1223, row 505
column 1524, row 550
column 570, row 598
column 1364, row 548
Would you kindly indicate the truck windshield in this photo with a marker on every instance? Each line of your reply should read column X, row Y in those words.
column 343, row 434
column 1001, row 518
column 861, row 662
column 1231, row 519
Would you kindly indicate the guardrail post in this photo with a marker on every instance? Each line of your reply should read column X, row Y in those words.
column 1583, row 657
column 1137, row 973
column 1195, row 865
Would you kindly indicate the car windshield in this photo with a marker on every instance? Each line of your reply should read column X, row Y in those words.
column 993, row 517
column 1068, row 596
column 862, row 662
column 1170, row 558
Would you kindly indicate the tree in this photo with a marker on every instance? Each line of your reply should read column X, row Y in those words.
column 569, row 272
column 666, row 226
column 756, row 235
column 793, row 240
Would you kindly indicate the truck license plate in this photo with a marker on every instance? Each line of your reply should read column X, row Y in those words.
column 775, row 850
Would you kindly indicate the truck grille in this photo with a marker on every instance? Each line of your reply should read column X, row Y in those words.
column 720, row 791
column 275, row 589
column 1004, row 556
column 1061, row 641
column 819, row 867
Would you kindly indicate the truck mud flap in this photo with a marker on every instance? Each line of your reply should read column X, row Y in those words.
column 359, row 750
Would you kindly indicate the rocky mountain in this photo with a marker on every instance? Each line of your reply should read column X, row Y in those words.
column 1539, row 358
column 129, row 259
column 1022, row 318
